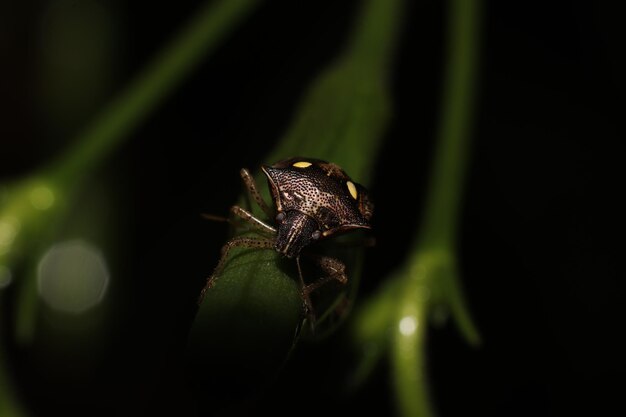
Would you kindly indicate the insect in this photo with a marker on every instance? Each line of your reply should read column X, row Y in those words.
column 314, row 200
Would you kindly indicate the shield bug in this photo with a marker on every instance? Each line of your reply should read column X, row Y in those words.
column 313, row 200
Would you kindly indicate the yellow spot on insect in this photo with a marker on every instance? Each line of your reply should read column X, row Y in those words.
column 302, row 164
column 352, row 189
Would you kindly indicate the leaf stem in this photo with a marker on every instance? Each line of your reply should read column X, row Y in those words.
column 430, row 276
column 175, row 62
column 440, row 221
column 34, row 206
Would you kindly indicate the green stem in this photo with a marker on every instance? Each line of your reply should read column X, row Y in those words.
column 408, row 345
column 431, row 275
column 63, row 176
column 439, row 225
column 200, row 37
column 35, row 205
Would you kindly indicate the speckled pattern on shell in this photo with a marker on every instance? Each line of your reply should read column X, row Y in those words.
column 320, row 191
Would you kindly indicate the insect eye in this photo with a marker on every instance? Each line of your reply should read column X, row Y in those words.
column 316, row 235
column 280, row 217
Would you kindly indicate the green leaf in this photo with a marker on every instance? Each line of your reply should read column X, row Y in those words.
column 342, row 119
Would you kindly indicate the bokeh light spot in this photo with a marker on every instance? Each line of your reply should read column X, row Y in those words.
column 72, row 276
column 408, row 325
column 42, row 197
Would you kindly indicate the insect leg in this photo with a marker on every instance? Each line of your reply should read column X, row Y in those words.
column 250, row 184
column 251, row 220
column 236, row 242
column 242, row 214
column 308, row 306
column 215, row 217
column 334, row 270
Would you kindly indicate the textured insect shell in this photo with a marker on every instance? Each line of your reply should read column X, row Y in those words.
column 320, row 190
column 364, row 202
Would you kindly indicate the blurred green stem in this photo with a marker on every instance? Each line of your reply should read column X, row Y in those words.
column 33, row 207
column 439, row 224
column 396, row 317
column 63, row 176
column 430, row 276
column 199, row 38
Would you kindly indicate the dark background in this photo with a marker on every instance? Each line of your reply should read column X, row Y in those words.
column 539, row 239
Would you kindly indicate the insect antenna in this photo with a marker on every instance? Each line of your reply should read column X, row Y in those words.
column 215, row 218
